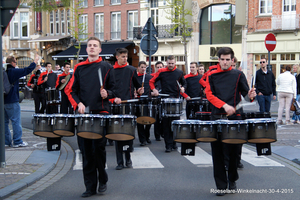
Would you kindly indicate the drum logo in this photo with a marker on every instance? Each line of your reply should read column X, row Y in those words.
column 233, row 128
column 185, row 128
column 86, row 121
column 259, row 127
column 205, row 129
column 60, row 121
column 43, row 121
column 116, row 122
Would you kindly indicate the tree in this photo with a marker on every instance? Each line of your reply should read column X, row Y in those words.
column 178, row 15
column 77, row 27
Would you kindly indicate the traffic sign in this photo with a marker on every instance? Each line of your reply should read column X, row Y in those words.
column 149, row 26
column 270, row 42
column 147, row 47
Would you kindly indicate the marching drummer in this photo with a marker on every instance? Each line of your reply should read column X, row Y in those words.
column 126, row 82
column 47, row 80
column 170, row 77
column 223, row 89
column 65, row 106
column 194, row 88
column 86, row 89
column 143, row 77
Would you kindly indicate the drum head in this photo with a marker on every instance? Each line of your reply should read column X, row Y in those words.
column 145, row 120
column 90, row 135
column 119, row 137
column 206, row 139
column 64, row 133
column 234, row 141
column 46, row 134
column 186, row 140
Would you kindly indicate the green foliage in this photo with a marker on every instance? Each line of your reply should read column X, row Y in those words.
column 46, row 5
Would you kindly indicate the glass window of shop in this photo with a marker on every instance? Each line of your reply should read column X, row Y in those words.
column 217, row 25
column 257, row 58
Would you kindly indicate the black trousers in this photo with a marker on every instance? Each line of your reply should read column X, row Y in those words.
column 158, row 128
column 167, row 130
column 119, row 151
column 143, row 132
column 65, row 107
column 39, row 102
column 94, row 160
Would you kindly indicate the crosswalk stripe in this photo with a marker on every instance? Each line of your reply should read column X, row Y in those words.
column 201, row 158
column 258, row 161
column 144, row 158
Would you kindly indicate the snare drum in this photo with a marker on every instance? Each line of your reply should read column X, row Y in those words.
column 120, row 127
column 262, row 130
column 146, row 110
column 204, row 106
column 193, row 106
column 90, row 126
column 52, row 96
column 43, row 125
column 64, row 124
column 233, row 131
column 184, row 131
column 171, row 107
column 128, row 108
column 205, row 116
column 206, row 131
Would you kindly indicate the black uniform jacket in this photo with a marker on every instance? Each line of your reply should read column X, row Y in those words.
column 168, row 82
column 146, row 82
column 126, row 80
column 84, row 85
column 193, row 86
column 50, row 83
column 33, row 80
column 59, row 78
column 225, row 86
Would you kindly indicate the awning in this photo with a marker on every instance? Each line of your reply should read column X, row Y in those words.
column 49, row 38
column 108, row 49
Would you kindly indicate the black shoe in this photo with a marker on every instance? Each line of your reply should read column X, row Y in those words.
column 149, row 141
column 129, row 164
column 119, row 167
column 232, row 187
column 143, row 144
column 168, row 150
column 88, row 194
column 158, row 139
column 102, row 188
column 174, row 147
column 220, row 192
column 240, row 166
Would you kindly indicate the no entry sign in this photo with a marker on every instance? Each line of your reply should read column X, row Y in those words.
column 270, row 42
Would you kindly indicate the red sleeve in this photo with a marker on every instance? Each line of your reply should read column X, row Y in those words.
column 28, row 83
column 209, row 95
column 202, row 81
column 68, row 90
column 57, row 81
column 40, row 80
column 112, row 100
column 184, row 95
column 152, row 80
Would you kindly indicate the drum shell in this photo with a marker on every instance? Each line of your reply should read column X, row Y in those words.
column 203, row 116
column 205, row 106
column 171, row 107
column 120, row 127
column 128, row 108
column 233, row 132
column 64, row 125
column 207, row 131
column 262, row 131
column 146, row 111
column 43, row 125
column 183, row 131
column 52, row 96
column 193, row 106
column 252, row 115
column 90, row 126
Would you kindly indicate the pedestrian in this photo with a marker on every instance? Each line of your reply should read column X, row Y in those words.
column 287, row 90
column 12, row 110
column 126, row 82
column 144, row 130
column 83, row 90
column 296, row 118
column 169, row 76
column 295, row 69
column 265, row 86
column 233, row 83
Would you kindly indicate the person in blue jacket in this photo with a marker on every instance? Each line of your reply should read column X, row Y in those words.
column 12, row 109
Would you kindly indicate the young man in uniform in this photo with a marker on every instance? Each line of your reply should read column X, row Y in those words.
column 83, row 90
column 223, row 90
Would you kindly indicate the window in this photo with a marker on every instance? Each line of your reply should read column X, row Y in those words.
column 217, row 25
column 62, row 18
column 287, row 56
column 289, row 5
column 68, row 22
column 99, row 26
column 20, row 25
column 154, row 4
column 83, row 21
column 24, row 24
column 132, row 21
column 57, row 22
column 83, row 3
column 115, row 2
column 265, row 7
column 98, row 3
column 132, row 1
column 15, row 26
column 51, row 23
column 115, row 25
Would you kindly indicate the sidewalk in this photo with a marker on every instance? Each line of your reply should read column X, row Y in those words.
column 25, row 166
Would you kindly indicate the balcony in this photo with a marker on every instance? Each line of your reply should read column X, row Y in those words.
column 285, row 22
column 163, row 31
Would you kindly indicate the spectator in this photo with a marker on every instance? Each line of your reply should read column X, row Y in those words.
column 286, row 92
column 12, row 110
column 295, row 70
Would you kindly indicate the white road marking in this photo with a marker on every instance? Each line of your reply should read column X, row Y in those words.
column 142, row 157
column 258, row 161
column 78, row 160
column 201, row 158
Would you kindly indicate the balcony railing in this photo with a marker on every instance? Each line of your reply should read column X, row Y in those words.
column 163, row 31
column 285, row 22
column 99, row 35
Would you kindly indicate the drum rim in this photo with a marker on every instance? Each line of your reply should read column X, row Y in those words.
column 63, row 115
column 51, row 89
column 172, row 100
column 193, row 121
column 222, row 121
column 42, row 115
column 259, row 120
column 121, row 116
column 89, row 115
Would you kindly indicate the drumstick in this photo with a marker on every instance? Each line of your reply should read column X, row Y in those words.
column 253, row 84
column 143, row 79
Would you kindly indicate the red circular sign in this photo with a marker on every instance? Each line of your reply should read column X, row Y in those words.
column 270, row 42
